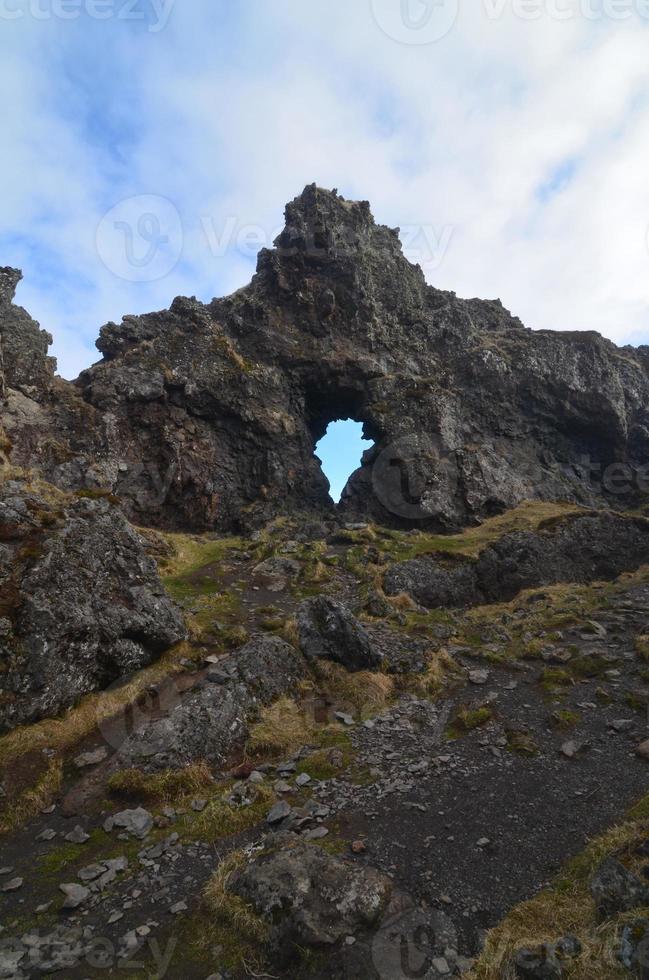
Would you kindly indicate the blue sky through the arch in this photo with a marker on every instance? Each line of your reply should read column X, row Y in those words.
column 340, row 451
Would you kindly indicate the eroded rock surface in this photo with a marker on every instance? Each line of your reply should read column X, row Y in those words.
column 214, row 718
column 82, row 603
column 311, row 898
column 207, row 415
column 584, row 548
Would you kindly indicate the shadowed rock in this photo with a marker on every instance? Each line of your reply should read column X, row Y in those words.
column 81, row 601
column 576, row 549
column 214, row 718
column 207, row 415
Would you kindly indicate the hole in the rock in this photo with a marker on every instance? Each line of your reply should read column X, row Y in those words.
column 339, row 452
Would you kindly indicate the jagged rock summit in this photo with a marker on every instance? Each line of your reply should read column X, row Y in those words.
column 207, row 415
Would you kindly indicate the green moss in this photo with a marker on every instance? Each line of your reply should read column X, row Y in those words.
column 553, row 677
column 467, row 719
column 522, row 743
column 589, row 667
column 566, row 719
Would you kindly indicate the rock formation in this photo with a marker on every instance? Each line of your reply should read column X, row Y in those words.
column 81, row 602
column 207, row 415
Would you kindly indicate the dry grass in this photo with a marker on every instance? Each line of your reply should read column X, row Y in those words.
column 230, row 923
column 365, row 692
column 169, row 786
column 442, row 671
column 290, row 633
column 221, row 819
column 62, row 734
column 402, row 601
column 33, row 800
column 568, row 909
column 642, row 647
column 282, row 727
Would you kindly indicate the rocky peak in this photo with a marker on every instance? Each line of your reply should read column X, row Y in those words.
column 207, row 416
column 24, row 363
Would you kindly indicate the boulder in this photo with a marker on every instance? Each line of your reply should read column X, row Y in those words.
column 82, row 602
column 309, row 897
column 633, row 950
column 615, row 889
column 328, row 631
column 212, row 719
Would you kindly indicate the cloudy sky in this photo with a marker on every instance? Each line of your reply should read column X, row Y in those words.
column 149, row 146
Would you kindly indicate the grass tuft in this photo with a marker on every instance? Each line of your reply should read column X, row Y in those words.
column 282, row 727
column 168, row 786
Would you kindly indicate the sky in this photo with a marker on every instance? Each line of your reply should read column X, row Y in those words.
column 149, row 148
column 340, row 451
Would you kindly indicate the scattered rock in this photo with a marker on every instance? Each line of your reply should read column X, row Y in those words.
column 615, row 889
column 12, row 886
column 478, row 677
column 136, row 822
column 91, row 758
column 280, row 811
column 75, row 895
column 77, row 836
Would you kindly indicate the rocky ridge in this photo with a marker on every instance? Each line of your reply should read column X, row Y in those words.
column 207, row 415
column 374, row 741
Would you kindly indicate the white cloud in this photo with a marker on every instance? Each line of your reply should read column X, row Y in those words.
column 528, row 139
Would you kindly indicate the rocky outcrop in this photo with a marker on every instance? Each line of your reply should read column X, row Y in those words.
column 213, row 719
column 328, row 631
column 310, row 898
column 207, row 415
column 615, row 889
column 24, row 363
column 583, row 548
column 81, row 602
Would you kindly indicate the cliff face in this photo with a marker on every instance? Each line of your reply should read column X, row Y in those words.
column 207, row 415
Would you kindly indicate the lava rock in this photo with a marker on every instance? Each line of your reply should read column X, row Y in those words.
column 309, row 897
column 327, row 630
column 85, row 601
column 212, row 720
column 615, row 889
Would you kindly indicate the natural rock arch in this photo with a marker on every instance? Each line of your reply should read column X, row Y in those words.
column 207, row 415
